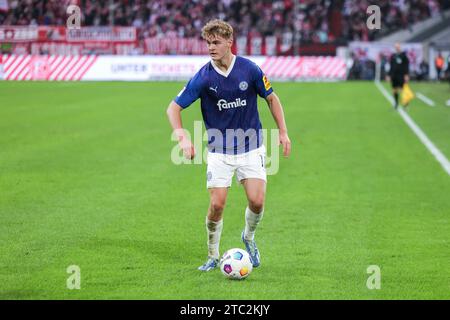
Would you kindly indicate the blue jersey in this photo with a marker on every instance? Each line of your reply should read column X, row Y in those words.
column 229, row 104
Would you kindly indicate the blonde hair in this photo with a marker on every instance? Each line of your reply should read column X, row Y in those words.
column 217, row 27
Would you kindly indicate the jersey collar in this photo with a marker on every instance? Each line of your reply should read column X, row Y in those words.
column 230, row 68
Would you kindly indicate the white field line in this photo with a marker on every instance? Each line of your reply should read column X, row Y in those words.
column 425, row 99
column 440, row 157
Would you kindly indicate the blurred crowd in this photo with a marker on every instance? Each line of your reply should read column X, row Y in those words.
column 395, row 15
column 316, row 21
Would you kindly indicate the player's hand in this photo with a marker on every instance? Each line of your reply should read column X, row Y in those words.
column 406, row 78
column 388, row 78
column 187, row 147
column 286, row 142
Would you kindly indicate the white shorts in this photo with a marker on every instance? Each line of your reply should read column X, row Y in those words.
column 221, row 167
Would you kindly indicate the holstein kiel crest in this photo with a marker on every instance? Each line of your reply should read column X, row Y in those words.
column 243, row 85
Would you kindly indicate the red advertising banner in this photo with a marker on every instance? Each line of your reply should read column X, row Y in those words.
column 124, row 41
column 18, row 34
column 45, row 33
column 180, row 46
column 61, row 41
column 102, row 34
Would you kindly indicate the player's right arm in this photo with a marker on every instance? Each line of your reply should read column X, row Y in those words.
column 174, row 115
column 184, row 99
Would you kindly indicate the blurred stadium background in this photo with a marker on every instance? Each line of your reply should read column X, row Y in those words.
column 263, row 28
column 85, row 171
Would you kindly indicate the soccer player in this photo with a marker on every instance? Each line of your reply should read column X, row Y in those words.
column 399, row 72
column 228, row 86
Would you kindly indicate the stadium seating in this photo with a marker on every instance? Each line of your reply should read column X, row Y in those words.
column 313, row 21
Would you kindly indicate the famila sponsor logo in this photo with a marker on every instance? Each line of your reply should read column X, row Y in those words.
column 224, row 104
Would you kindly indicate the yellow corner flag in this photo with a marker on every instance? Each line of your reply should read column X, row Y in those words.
column 407, row 94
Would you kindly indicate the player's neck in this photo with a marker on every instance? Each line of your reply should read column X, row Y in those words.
column 224, row 63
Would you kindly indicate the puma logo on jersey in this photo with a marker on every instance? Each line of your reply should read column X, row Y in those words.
column 213, row 89
column 224, row 104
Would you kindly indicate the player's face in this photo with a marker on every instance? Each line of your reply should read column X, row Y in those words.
column 218, row 47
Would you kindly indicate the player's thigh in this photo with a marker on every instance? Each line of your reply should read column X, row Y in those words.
column 219, row 173
column 252, row 175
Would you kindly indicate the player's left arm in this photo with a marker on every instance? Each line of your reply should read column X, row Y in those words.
column 278, row 115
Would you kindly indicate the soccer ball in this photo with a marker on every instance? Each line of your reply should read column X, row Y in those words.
column 236, row 264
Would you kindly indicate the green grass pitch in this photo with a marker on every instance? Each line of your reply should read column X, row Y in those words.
column 86, row 179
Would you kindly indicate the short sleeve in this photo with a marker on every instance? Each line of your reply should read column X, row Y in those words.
column 263, row 86
column 190, row 92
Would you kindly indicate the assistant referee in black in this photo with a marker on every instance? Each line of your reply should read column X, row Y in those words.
column 399, row 71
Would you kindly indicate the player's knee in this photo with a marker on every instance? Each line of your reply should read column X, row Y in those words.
column 256, row 204
column 217, row 206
